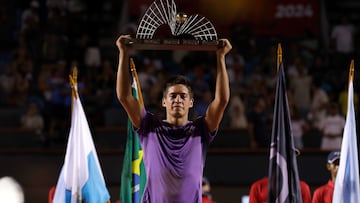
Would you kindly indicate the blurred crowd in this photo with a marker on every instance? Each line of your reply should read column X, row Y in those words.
column 51, row 37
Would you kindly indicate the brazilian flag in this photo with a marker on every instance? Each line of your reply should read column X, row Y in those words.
column 133, row 177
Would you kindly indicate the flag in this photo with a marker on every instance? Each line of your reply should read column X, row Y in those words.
column 81, row 178
column 346, row 188
column 133, row 177
column 283, row 175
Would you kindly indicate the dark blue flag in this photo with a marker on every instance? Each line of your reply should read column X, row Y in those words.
column 283, row 172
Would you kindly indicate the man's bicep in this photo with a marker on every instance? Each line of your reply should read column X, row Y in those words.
column 214, row 115
column 134, row 110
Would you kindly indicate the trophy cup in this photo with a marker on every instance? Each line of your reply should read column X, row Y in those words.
column 194, row 32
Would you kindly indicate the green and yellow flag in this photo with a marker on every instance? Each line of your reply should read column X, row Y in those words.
column 133, row 177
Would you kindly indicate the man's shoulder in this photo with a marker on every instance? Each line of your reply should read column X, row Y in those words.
column 322, row 188
column 304, row 186
column 262, row 181
column 304, row 183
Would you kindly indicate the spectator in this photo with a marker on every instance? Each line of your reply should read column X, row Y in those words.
column 105, row 82
column 7, row 85
column 54, row 48
column 259, row 125
column 342, row 41
column 201, row 103
column 332, row 127
column 206, row 191
column 298, row 126
column 32, row 119
column 259, row 191
column 51, row 194
column 324, row 193
column 301, row 88
column 30, row 29
column 30, row 17
column 237, row 113
column 319, row 104
column 92, row 58
column 55, row 110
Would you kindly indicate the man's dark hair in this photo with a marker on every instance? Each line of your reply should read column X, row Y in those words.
column 176, row 80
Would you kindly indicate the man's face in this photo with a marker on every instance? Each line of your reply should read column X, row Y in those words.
column 333, row 167
column 177, row 101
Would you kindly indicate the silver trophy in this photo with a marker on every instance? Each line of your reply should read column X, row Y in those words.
column 194, row 32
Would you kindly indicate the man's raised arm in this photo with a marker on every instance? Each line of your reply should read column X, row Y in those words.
column 217, row 107
column 123, row 83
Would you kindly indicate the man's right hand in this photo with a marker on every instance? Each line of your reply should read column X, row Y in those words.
column 120, row 42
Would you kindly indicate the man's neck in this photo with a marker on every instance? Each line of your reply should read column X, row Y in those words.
column 177, row 122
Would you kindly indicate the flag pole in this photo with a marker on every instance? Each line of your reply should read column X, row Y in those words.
column 279, row 56
column 351, row 71
column 136, row 78
column 73, row 84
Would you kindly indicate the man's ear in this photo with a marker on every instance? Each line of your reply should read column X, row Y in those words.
column 192, row 102
column 328, row 166
column 163, row 102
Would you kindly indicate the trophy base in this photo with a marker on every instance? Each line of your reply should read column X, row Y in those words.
column 174, row 44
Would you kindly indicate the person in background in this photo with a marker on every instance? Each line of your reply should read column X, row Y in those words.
column 300, row 85
column 237, row 113
column 30, row 18
column 206, row 191
column 332, row 127
column 259, row 190
column 32, row 119
column 324, row 193
column 299, row 126
column 259, row 125
column 342, row 41
column 51, row 194
column 319, row 104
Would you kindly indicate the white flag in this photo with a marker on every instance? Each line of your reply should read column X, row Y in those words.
column 81, row 178
column 347, row 188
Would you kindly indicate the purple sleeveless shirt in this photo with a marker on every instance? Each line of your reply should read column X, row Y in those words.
column 174, row 159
